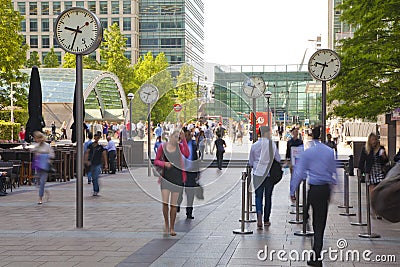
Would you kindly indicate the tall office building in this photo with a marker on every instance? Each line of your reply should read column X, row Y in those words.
column 337, row 30
column 175, row 27
column 38, row 25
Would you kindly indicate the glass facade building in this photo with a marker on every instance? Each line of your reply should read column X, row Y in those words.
column 337, row 30
column 38, row 25
column 175, row 27
column 294, row 97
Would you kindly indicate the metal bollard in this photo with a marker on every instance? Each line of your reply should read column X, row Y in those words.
column 359, row 223
column 304, row 232
column 248, row 197
column 346, row 192
column 242, row 230
column 297, row 220
column 368, row 234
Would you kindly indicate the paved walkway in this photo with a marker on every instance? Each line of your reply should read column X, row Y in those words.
column 123, row 227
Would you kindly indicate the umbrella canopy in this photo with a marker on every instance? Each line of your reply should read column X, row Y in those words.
column 35, row 121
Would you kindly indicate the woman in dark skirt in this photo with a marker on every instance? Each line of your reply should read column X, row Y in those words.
column 169, row 157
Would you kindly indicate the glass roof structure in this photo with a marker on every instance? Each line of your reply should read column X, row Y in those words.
column 102, row 91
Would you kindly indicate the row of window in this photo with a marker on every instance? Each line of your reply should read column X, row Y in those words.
column 34, row 41
column 104, row 7
column 45, row 23
column 156, row 26
column 165, row 42
column 128, row 54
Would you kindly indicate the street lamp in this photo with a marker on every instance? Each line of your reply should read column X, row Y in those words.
column 268, row 95
column 12, row 108
column 131, row 96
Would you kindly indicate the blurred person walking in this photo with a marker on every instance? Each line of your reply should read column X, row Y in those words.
column 220, row 145
column 43, row 154
column 111, row 154
column 95, row 156
column 85, row 148
column 169, row 158
column 261, row 162
column 321, row 176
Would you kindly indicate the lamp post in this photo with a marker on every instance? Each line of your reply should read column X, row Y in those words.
column 268, row 95
column 12, row 108
column 131, row 96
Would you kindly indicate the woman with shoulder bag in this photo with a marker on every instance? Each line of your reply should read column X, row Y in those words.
column 372, row 160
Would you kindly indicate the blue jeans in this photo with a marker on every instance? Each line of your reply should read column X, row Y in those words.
column 42, row 175
column 96, row 170
column 265, row 188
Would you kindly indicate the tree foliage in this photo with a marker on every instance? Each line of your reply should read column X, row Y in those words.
column 33, row 60
column 112, row 53
column 186, row 90
column 369, row 82
column 12, row 49
column 51, row 59
column 88, row 62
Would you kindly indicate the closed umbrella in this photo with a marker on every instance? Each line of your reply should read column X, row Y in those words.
column 35, row 121
column 73, row 127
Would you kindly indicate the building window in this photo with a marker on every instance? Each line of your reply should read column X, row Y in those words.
column 22, row 8
column 45, row 41
column 171, row 43
column 104, row 22
column 33, row 25
column 56, row 8
column 80, row 3
column 23, row 26
column 92, row 6
column 127, row 7
column 148, row 42
column 55, row 44
column 45, row 25
column 114, row 20
column 148, row 26
column 67, row 4
column 128, row 40
column 127, row 24
column 44, row 54
column 114, row 7
column 128, row 54
column 33, row 43
column 103, row 7
column 32, row 8
column 45, row 8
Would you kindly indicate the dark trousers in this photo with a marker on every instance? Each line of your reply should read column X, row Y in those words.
column 265, row 189
column 112, row 155
column 220, row 157
column 190, row 187
column 318, row 199
column 2, row 184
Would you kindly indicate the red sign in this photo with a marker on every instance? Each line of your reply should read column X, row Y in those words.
column 261, row 119
column 177, row 107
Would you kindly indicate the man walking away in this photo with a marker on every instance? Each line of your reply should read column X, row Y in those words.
column 94, row 157
column 320, row 178
column 112, row 154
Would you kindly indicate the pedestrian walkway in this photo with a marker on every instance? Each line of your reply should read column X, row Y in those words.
column 123, row 226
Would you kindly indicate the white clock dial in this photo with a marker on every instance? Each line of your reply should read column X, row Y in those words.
column 78, row 31
column 148, row 93
column 324, row 65
column 254, row 87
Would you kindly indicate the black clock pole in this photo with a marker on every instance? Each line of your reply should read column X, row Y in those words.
column 79, row 141
column 148, row 140
column 323, row 115
column 254, row 120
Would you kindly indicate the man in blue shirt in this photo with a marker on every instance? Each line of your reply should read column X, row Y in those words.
column 318, row 163
column 112, row 154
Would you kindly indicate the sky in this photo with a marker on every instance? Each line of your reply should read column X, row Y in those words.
column 263, row 32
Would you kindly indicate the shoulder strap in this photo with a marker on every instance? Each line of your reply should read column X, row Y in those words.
column 271, row 155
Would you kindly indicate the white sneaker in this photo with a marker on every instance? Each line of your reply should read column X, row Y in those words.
column 95, row 193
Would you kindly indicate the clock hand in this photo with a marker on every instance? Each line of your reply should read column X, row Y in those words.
column 76, row 33
column 86, row 24
column 323, row 68
column 73, row 30
column 322, row 64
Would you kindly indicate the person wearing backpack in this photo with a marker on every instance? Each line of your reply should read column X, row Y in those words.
column 220, row 145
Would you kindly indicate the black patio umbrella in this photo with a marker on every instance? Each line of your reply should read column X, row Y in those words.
column 35, row 121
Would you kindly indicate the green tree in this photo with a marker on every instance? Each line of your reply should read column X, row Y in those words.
column 112, row 53
column 369, row 82
column 51, row 60
column 88, row 62
column 33, row 60
column 12, row 49
column 186, row 90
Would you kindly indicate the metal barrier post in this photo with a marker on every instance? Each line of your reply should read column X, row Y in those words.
column 248, row 198
column 359, row 223
column 297, row 220
column 304, row 232
column 242, row 230
column 346, row 192
column 368, row 234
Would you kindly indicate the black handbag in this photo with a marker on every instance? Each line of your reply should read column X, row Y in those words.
column 275, row 171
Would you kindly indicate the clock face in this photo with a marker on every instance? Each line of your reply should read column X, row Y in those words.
column 254, row 87
column 148, row 93
column 324, row 65
column 78, row 31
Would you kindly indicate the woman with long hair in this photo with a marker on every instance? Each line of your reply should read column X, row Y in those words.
column 373, row 158
column 173, row 176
